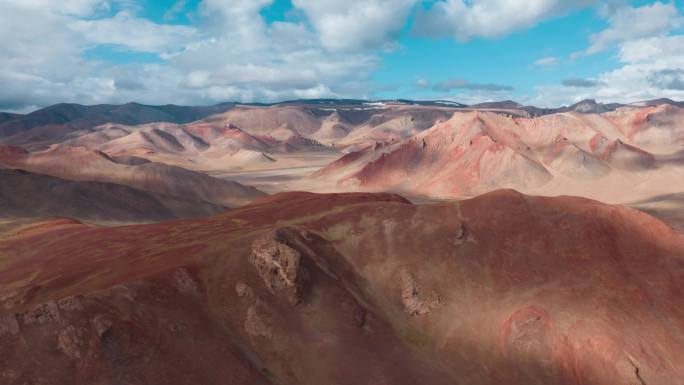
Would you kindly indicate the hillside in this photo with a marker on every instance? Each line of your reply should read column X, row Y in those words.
column 351, row 288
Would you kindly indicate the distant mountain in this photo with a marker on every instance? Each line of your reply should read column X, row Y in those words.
column 505, row 104
column 337, row 124
column 7, row 116
column 446, row 103
column 590, row 106
column 657, row 102
column 317, row 101
column 362, row 102
column 586, row 106
column 77, row 116
column 57, row 121
column 430, row 103
column 479, row 151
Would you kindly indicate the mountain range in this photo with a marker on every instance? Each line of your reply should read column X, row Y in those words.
column 335, row 242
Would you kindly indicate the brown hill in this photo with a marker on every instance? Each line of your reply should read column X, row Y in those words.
column 81, row 164
column 350, row 289
column 27, row 195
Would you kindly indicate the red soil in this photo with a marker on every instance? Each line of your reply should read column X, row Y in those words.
column 508, row 289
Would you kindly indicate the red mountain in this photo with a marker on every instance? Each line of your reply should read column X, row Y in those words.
column 350, row 289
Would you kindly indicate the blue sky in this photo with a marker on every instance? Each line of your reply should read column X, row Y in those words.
column 549, row 52
column 507, row 60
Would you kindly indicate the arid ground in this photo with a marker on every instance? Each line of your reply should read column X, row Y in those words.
column 343, row 242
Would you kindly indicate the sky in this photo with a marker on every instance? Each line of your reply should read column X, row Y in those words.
column 201, row 52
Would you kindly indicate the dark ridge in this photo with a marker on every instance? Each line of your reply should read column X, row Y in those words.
column 79, row 116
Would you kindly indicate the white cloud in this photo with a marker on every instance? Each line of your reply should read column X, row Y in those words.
column 245, row 58
column 356, row 24
column 137, row 34
column 644, row 77
column 71, row 7
column 651, row 62
column 650, row 68
column 330, row 50
column 629, row 23
column 654, row 48
column 465, row 19
column 667, row 79
column 43, row 58
column 317, row 92
column 232, row 54
column 422, row 83
column 547, row 62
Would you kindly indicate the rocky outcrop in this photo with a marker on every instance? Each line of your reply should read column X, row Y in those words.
column 72, row 341
column 256, row 325
column 416, row 300
column 243, row 290
column 461, row 235
column 279, row 263
column 185, row 283
column 73, row 303
column 44, row 313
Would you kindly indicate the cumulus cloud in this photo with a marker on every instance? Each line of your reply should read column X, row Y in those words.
column 356, row 24
column 331, row 49
column 245, row 58
column 650, row 59
column 630, row 23
column 583, row 83
column 466, row 19
column 650, row 49
column 71, row 7
column 453, row 84
column 130, row 32
column 668, row 79
column 43, row 55
column 232, row 54
column 650, row 68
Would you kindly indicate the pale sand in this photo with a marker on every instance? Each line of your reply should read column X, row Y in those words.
column 658, row 192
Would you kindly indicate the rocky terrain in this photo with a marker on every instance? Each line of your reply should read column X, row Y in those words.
column 591, row 155
column 425, row 150
column 138, row 244
column 301, row 288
